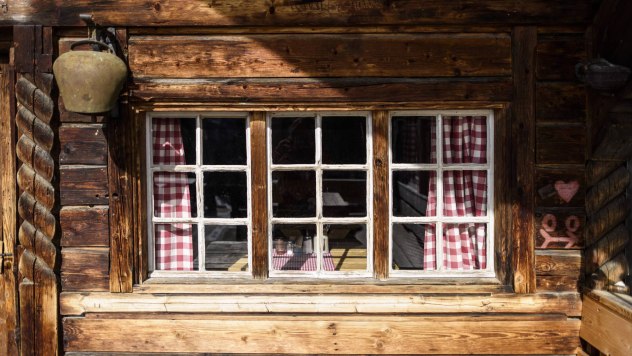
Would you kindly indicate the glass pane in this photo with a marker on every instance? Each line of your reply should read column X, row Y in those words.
column 344, row 248
column 411, row 138
column 411, row 193
column 344, row 140
column 294, row 194
column 465, row 193
column 176, row 247
column 293, row 140
column 408, row 245
column 293, row 248
column 174, row 195
column 465, row 246
column 224, row 141
column 465, row 139
column 173, row 141
column 226, row 248
column 225, row 195
column 344, row 193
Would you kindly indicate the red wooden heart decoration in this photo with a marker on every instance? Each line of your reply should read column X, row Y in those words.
column 566, row 191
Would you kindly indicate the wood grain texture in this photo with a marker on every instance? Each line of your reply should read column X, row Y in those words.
column 402, row 55
column 324, row 90
column 605, row 329
column 502, row 196
column 8, row 216
column 560, row 102
column 524, row 40
column 560, row 228
column 330, row 334
column 85, row 269
column 606, row 219
column 83, row 185
column 326, row 13
column 559, row 263
column 83, row 226
column 259, row 193
column 80, row 303
column 557, row 55
column 607, row 189
column 613, row 243
column 560, row 144
column 551, row 183
column 82, row 144
column 381, row 194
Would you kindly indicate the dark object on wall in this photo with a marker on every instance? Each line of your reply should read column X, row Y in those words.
column 602, row 75
column 90, row 81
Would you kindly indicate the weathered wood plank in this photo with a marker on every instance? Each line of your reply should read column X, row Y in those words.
column 85, row 269
column 259, row 193
column 558, row 188
column 560, row 228
column 83, row 226
column 322, row 13
column 556, row 56
column 523, row 137
column 324, row 90
column 606, row 219
column 607, row 189
column 401, row 55
column 73, row 303
column 598, row 170
column 82, row 144
column 331, row 334
column 83, row 185
column 557, row 284
column 605, row 329
column 502, row 196
column 613, row 243
column 559, row 263
column 381, row 194
column 563, row 144
column 560, row 102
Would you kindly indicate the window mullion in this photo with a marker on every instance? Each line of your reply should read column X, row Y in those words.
column 439, row 193
column 199, row 184
column 319, row 192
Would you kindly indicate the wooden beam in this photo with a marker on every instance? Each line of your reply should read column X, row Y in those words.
column 323, row 334
column 524, row 40
column 83, row 226
column 605, row 329
column 381, row 224
column 568, row 304
column 85, row 269
column 290, row 13
column 258, row 157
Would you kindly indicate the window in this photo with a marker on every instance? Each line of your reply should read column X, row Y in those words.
column 320, row 194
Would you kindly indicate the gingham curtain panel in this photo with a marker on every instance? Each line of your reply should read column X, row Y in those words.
column 464, row 195
column 172, row 199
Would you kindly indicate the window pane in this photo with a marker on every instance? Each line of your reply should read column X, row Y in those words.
column 225, row 195
column 344, row 248
column 344, row 140
column 411, row 138
column 174, row 195
column 293, row 140
column 173, row 141
column 224, row 141
column 465, row 246
column 176, row 247
column 226, row 248
column 293, row 248
column 344, row 193
column 408, row 245
column 294, row 194
column 465, row 139
column 411, row 193
column 465, row 193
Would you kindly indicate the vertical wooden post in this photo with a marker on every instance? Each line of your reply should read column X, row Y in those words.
column 259, row 193
column 380, row 194
column 524, row 40
column 38, row 290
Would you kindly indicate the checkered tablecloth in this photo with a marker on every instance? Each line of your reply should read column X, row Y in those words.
column 304, row 262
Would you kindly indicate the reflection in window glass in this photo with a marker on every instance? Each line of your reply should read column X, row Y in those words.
column 224, row 141
column 344, row 140
column 226, row 248
column 176, row 247
column 293, row 140
column 344, row 193
column 344, row 248
column 225, row 195
column 410, row 192
column 408, row 245
column 411, row 139
column 174, row 195
column 294, row 247
column 294, row 194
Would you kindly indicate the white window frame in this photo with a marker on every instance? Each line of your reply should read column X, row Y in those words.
column 439, row 219
column 319, row 220
column 200, row 220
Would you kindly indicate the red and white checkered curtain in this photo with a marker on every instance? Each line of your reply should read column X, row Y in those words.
column 172, row 199
column 464, row 195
